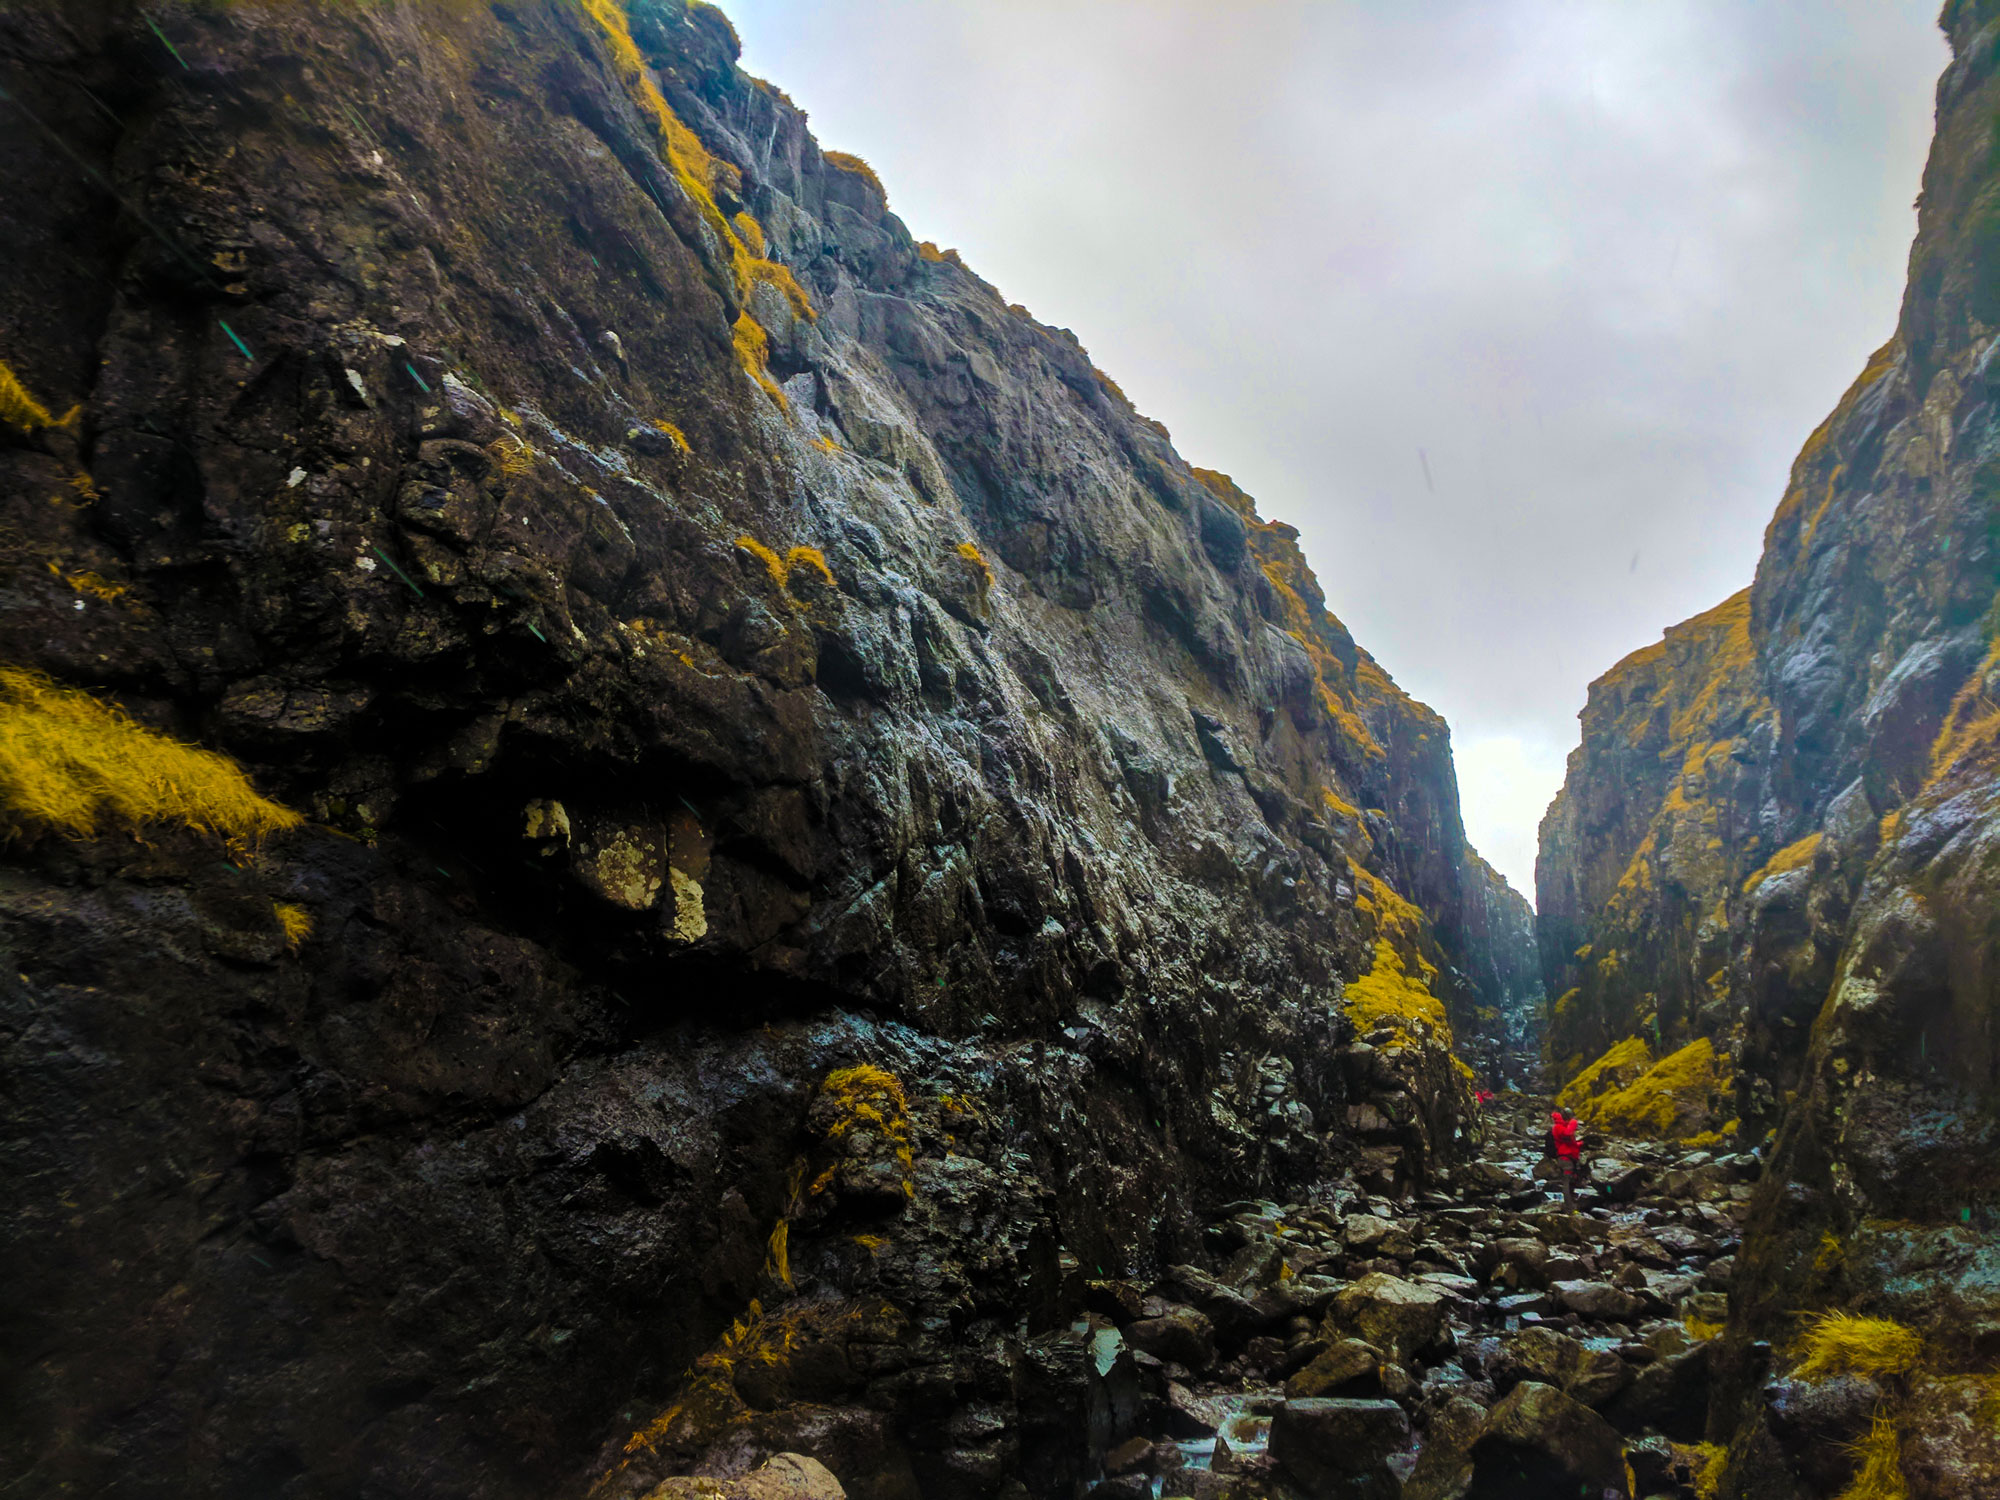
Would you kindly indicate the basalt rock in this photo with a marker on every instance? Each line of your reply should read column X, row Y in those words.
column 824, row 833
column 1778, row 840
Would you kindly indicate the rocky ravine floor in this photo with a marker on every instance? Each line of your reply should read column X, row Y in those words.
column 1475, row 1342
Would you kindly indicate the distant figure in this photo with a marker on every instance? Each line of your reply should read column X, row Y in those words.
column 1568, row 1150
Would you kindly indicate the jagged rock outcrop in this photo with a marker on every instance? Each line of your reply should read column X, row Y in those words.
column 1778, row 836
column 824, row 832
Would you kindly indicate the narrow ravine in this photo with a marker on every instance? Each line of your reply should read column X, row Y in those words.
column 1354, row 1343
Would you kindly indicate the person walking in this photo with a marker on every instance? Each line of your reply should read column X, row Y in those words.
column 1568, row 1149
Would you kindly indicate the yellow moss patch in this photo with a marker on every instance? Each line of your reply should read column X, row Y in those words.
column 1879, row 1463
column 73, row 763
column 1671, row 1101
column 1708, row 1479
column 1840, row 1343
column 93, row 584
column 977, row 560
column 1387, row 995
column 871, row 1097
column 1338, row 805
column 1624, row 1062
column 812, row 560
column 753, row 352
column 296, row 921
column 674, row 435
column 844, row 161
column 782, row 568
column 1792, row 857
column 1701, row 1330
column 773, row 564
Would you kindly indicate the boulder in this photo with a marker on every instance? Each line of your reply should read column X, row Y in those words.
column 1592, row 1376
column 1817, row 1422
column 1527, row 1259
column 1670, row 1397
column 1597, row 1299
column 1394, row 1315
column 1191, row 1416
column 1349, row 1368
column 1364, row 1233
column 1180, row 1336
column 1444, row 1467
column 1619, row 1180
column 789, row 1476
column 1338, row 1447
column 1538, row 1444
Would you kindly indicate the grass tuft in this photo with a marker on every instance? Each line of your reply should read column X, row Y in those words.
column 20, row 409
column 296, row 921
column 73, row 763
column 1879, row 1475
column 1841, row 1343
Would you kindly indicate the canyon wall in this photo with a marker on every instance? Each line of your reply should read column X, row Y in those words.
column 1778, row 837
column 822, row 833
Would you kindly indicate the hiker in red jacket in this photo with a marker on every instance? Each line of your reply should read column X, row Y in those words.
column 1569, row 1151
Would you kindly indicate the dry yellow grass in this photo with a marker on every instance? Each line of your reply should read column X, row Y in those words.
column 1879, row 1474
column 17, row 407
column 1841, row 1343
column 296, row 921
column 73, row 763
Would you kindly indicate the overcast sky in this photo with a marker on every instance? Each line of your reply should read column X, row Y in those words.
column 1601, row 266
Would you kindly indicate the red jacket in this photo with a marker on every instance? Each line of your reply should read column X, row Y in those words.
column 1568, row 1148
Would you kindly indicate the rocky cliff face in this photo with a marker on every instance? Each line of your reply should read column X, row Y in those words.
column 1778, row 834
column 822, row 832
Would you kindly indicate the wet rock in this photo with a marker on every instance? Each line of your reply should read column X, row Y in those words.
column 1526, row 1259
column 1180, row 1336
column 1193, row 1416
column 1340, row 1447
column 1400, row 1317
column 1443, row 1469
column 1349, row 1368
column 1592, row 1376
column 788, row 1476
column 1817, row 1422
column 1598, row 1300
column 1670, row 1397
column 1538, row 1443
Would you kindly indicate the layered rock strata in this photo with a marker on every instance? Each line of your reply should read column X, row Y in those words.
column 822, row 832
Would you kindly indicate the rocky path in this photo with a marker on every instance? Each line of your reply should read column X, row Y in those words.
column 1478, row 1340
